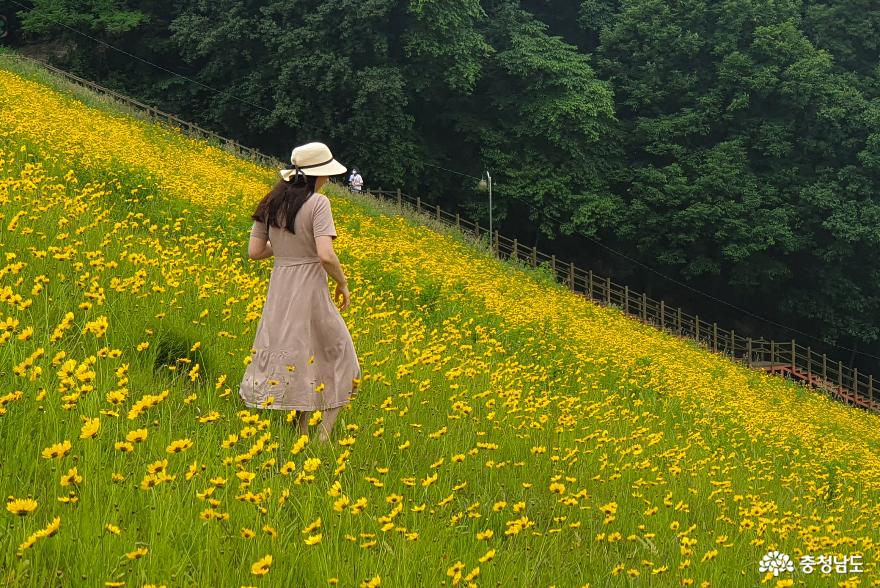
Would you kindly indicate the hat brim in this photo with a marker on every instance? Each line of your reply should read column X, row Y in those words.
column 328, row 169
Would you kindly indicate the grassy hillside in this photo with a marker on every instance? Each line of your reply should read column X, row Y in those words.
column 507, row 433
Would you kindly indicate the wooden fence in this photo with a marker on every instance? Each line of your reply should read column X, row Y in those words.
column 787, row 358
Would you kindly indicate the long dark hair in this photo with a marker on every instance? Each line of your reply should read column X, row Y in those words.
column 285, row 200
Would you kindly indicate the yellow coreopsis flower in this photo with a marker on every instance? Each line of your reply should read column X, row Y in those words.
column 90, row 428
column 261, row 566
column 137, row 553
column 313, row 539
column 312, row 526
column 488, row 556
column 71, row 477
column 136, row 436
column 21, row 506
column 179, row 445
column 373, row 582
column 57, row 450
column 299, row 444
column 124, row 446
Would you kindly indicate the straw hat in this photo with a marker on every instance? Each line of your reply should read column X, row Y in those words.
column 312, row 159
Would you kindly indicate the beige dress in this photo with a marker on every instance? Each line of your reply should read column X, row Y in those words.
column 303, row 355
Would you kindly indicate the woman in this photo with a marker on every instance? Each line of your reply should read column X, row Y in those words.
column 303, row 356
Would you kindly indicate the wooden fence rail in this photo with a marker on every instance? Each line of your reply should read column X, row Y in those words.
column 786, row 358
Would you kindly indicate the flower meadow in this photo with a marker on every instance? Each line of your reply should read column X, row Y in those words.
column 507, row 432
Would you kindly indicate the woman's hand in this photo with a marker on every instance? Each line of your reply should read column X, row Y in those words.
column 346, row 297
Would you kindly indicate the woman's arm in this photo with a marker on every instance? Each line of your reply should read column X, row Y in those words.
column 330, row 260
column 255, row 253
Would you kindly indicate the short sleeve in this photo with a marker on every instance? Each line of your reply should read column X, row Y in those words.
column 322, row 223
column 260, row 230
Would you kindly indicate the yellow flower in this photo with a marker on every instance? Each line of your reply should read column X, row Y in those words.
column 316, row 524
column 21, row 506
column 124, row 446
column 90, row 428
column 111, row 528
column 179, row 445
column 372, row 582
column 261, row 567
column 71, row 477
column 315, row 418
column 137, row 553
column 313, row 539
column 57, row 450
column 299, row 444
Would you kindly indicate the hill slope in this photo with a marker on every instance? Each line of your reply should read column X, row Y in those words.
column 589, row 445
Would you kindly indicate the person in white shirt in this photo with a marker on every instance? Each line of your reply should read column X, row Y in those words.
column 356, row 181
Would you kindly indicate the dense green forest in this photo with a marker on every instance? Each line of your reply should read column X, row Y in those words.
column 733, row 145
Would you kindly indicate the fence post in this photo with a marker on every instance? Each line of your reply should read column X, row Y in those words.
column 419, row 203
column 749, row 350
column 793, row 355
column 608, row 291
column 824, row 368
column 810, row 365
column 553, row 265
column 871, row 387
column 438, row 212
column 644, row 307
column 715, row 337
column 626, row 299
column 477, row 229
column 590, row 283
column 570, row 274
column 855, row 380
column 840, row 374
column 732, row 344
column 772, row 353
column 457, row 220
column 697, row 327
column 399, row 200
column 662, row 315
column 678, row 321
column 497, row 246
column 534, row 257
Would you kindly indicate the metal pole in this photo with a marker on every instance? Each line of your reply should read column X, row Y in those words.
column 490, row 201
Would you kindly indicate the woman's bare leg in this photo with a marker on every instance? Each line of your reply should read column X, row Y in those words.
column 328, row 419
column 303, row 421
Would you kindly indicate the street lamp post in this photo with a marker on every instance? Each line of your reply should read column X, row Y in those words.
column 483, row 186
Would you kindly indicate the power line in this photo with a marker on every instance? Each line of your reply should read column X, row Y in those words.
column 509, row 195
